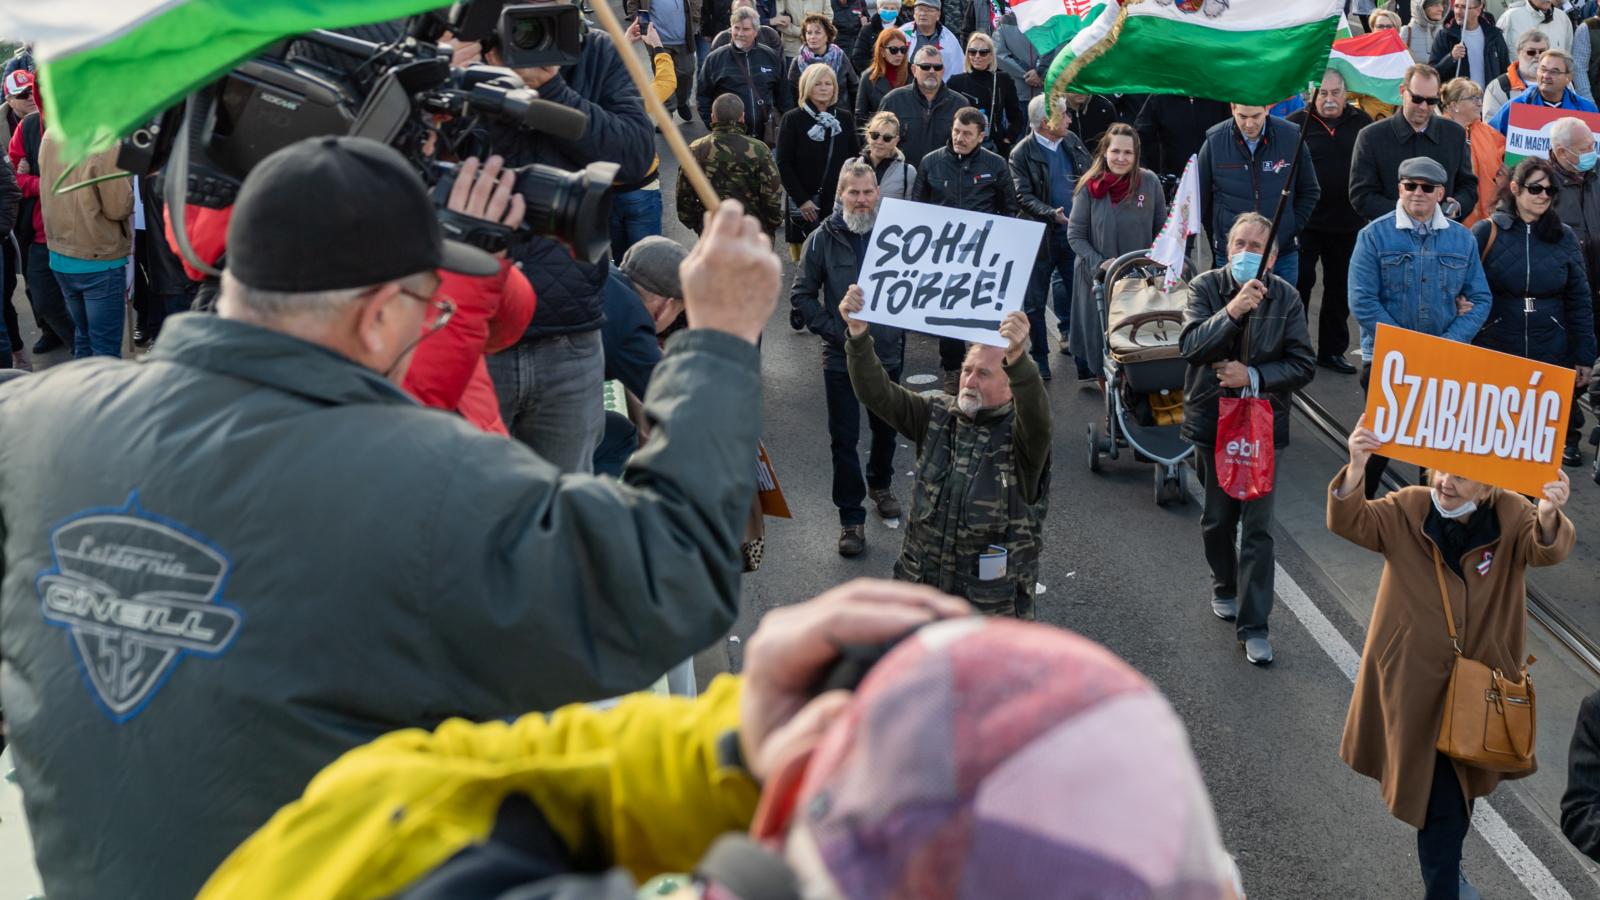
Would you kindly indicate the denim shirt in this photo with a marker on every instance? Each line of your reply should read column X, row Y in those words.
column 1399, row 278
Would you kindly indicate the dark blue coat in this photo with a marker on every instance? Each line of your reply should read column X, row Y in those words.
column 620, row 132
column 1234, row 181
column 1557, row 326
column 628, row 336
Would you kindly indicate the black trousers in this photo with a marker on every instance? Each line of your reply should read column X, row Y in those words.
column 844, row 437
column 49, row 304
column 1333, row 249
column 1244, row 572
column 12, row 266
column 1442, row 834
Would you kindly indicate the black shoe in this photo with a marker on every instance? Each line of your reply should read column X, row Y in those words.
column 1063, row 349
column 46, row 343
column 1572, row 456
column 1044, row 373
column 797, row 320
column 852, row 540
column 685, row 113
column 888, row 504
column 1336, row 363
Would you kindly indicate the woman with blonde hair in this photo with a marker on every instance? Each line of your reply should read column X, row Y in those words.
column 992, row 92
column 1461, row 101
column 814, row 140
column 881, row 151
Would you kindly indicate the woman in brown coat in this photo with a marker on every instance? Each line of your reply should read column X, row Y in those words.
column 1487, row 538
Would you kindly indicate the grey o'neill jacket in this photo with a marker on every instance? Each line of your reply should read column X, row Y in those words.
column 227, row 565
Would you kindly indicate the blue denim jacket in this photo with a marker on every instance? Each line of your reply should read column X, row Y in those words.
column 1398, row 279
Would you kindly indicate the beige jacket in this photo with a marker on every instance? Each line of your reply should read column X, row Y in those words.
column 94, row 222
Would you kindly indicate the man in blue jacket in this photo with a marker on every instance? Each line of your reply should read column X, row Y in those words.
column 1553, row 90
column 550, row 384
column 1244, row 163
column 1416, row 269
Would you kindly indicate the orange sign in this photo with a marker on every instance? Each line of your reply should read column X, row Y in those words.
column 1488, row 416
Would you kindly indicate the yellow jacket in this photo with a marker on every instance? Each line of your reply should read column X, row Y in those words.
column 640, row 786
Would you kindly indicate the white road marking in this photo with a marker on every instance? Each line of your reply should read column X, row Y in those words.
column 1494, row 830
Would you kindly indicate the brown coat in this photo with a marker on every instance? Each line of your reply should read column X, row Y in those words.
column 94, row 222
column 1398, row 703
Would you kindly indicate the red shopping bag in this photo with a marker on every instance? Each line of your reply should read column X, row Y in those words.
column 1244, row 447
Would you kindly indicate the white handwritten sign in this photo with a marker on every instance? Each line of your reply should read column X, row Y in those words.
column 946, row 271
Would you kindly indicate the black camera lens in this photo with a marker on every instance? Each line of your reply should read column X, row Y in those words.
column 572, row 207
column 530, row 34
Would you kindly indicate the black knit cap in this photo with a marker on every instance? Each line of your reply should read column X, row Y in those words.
column 332, row 213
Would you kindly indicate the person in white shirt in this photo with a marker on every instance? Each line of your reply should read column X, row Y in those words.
column 1545, row 15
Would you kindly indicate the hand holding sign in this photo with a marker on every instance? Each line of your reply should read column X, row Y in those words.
column 1014, row 328
column 1555, row 497
column 946, row 271
column 848, row 307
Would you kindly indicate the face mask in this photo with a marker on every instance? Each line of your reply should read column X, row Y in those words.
column 1244, row 265
column 888, row 16
column 1586, row 161
column 1460, row 512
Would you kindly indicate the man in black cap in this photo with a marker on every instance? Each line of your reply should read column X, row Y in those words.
column 252, row 552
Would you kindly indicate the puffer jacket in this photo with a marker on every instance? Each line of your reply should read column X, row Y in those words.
column 924, row 125
column 1496, row 55
column 1541, row 308
column 1279, row 351
column 620, row 132
column 1234, row 180
column 830, row 262
column 896, row 178
column 1030, row 174
column 447, row 369
column 978, row 182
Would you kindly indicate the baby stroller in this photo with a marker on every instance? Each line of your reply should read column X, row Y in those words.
column 1144, row 371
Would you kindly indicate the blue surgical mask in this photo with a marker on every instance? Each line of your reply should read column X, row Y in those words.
column 1244, row 265
column 888, row 15
column 1586, row 161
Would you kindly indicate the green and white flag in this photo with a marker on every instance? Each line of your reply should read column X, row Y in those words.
column 1244, row 51
column 107, row 66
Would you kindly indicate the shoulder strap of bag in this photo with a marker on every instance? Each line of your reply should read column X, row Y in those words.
column 1444, row 595
column 1494, row 232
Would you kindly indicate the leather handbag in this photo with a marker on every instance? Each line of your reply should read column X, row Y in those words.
column 1489, row 720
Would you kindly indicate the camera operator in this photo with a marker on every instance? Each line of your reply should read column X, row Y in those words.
column 290, row 557
column 550, row 383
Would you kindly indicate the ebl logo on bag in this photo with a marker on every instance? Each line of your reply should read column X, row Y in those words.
column 1244, row 449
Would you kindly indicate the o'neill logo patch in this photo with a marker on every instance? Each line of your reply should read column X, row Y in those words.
column 136, row 593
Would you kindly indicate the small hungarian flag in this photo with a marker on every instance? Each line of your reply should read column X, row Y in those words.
column 1372, row 64
column 108, row 66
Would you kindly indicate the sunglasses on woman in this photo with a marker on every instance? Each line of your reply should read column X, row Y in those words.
column 895, row 50
column 979, row 51
column 880, row 136
column 1539, row 190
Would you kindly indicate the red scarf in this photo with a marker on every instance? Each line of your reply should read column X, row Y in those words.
column 1117, row 186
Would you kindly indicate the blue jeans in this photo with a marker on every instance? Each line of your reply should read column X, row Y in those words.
column 1287, row 267
column 552, row 397
column 635, row 215
column 97, row 303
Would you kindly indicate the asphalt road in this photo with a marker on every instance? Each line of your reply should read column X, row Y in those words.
column 1131, row 575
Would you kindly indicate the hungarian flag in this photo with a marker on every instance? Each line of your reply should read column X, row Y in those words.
column 1372, row 64
column 1243, row 51
column 108, row 66
column 1528, row 130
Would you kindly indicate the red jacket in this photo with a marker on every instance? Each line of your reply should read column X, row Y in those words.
column 29, row 184
column 208, row 235
column 448, row 369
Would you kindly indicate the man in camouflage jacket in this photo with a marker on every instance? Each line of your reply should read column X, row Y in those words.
column 983, row 464
column 739, row 166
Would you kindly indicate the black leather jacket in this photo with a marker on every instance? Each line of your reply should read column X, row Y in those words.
column 1280, row 351
column 978, row 182
column 1030, row 171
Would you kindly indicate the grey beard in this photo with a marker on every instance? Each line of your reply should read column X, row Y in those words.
column 969, row 403
column 860, row 223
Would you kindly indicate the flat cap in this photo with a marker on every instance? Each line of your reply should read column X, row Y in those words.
column 652, row 263
column 1421, row 168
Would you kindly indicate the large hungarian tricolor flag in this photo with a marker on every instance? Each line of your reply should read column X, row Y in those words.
column 1244, row 51
column 107, row 66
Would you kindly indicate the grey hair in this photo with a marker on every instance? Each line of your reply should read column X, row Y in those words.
column 928, row 50
column 266, row 306
column 1335, row 73
column 1039, row 109
column 741, row 13
column 1249, row 220
column 1565, row 57
column 1562, row 132
column 855, row 168
column 1531, row 35
column 882, row 4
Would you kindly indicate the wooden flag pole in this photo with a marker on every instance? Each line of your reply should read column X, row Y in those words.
column 653, row 106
